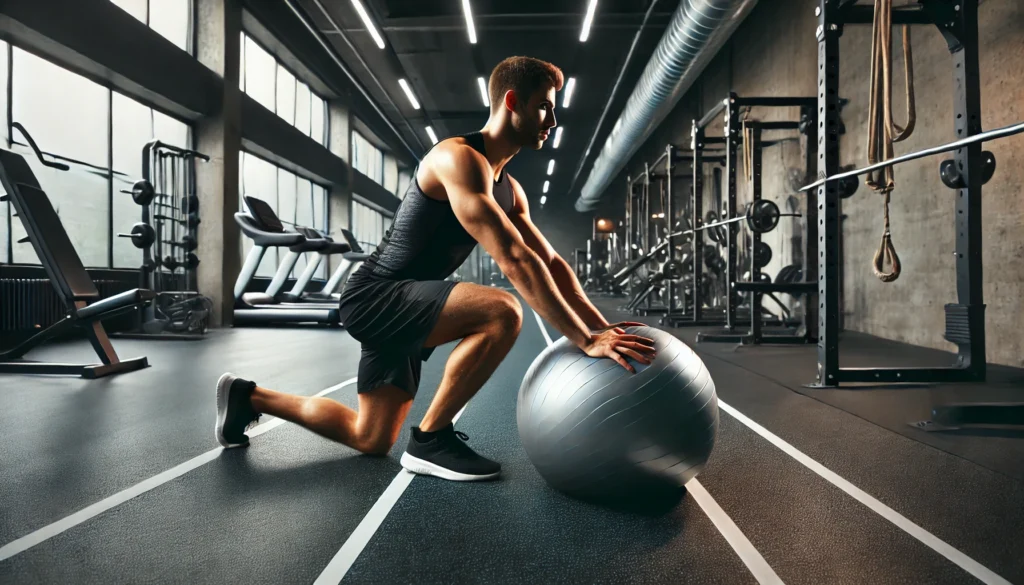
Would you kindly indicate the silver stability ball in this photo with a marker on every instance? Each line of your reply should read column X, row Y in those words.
column 595, row 431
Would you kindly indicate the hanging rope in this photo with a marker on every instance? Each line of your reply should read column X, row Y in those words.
column 882, row 130
column 748, row 147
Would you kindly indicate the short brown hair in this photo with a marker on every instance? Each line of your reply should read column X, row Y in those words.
column 523, row 75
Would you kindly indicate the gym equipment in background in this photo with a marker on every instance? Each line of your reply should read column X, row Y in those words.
column 168, row 237
column 266, row 230
column 351, row 260
column 595, row 431
column 70, row 280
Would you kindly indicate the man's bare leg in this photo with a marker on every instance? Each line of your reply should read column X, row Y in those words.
column 488, row 321
column 373, row 429
column 485, row 319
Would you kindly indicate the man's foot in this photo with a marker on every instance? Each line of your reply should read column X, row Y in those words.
column 445, row 454
column 235, row 413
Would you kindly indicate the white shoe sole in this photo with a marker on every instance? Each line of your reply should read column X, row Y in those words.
column 421, row 467
column 223, row 391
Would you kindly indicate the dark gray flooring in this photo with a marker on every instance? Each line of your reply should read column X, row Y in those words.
column 278, row 511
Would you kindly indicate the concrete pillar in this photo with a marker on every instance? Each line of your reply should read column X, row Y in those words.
column 390, row 173
column 339, row 200
column 219, row 26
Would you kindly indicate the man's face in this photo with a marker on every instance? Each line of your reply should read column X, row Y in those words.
column 534, row 118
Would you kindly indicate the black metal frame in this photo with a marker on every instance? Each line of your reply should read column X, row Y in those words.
column 699, row 142
column 958, row 22
column 756, row 335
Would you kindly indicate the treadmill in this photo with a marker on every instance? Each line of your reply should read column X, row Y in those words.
column 353, row 258
column 266, row 231
column 329, row 248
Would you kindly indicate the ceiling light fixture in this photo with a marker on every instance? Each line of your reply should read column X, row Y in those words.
column 363, row 14
column 408, row 93
column 543, row 199
column 587, row 21
column 569, row 87
column 558, row 137
column 551, row 166
column 546, row 185
column 483, row 91
column 430, row 133
column 469, row 21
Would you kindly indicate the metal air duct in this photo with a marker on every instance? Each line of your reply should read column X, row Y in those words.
column 698, row 29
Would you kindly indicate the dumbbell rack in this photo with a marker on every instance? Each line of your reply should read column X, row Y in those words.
column 168, row 236
column 731, row 142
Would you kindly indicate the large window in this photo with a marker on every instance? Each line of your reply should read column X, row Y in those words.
column 368, row 225
column 404, row 180
column 134, row 125
column 68, row 116
column 367, row 158
column 172, row 19
column 296, row 200
column 5, row 215
column 271, row 84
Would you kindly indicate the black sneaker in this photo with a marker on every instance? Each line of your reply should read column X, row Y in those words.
column 234, row 411
column 446, row 455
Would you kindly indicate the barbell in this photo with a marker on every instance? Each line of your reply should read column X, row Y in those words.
column 762, row 216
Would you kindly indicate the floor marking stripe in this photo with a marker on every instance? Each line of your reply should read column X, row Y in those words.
column 346, row 556
column 965, row 562
column 47, row 532
column 543, row 329
column 759, row 567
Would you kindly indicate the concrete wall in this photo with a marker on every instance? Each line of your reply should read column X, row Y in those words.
column 774, row 53
column 339, row 202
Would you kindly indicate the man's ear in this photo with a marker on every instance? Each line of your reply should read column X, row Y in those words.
column 510, row 100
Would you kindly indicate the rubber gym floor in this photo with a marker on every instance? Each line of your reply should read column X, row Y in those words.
column 119, row 480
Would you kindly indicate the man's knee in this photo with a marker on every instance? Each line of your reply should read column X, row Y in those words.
column 508, row 314
column 379, row 446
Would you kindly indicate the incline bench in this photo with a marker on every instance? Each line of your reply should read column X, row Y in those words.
column 73, row 284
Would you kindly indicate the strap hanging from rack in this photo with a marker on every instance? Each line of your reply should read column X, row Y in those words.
column 882, row 130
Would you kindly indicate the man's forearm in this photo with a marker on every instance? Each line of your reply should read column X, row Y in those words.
column 573, row 293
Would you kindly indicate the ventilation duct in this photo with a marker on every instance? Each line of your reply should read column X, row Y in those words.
column 698, row 29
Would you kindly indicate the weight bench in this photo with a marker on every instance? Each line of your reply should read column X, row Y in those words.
column 73, row 284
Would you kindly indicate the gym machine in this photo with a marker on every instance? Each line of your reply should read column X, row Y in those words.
column 593, row 263
column 652, row 269
column 352, row 257
column 266, row 230
column 168, row 237
column 760, row 215
column 966, row 173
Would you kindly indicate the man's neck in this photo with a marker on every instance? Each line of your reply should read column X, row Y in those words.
column 499, row 145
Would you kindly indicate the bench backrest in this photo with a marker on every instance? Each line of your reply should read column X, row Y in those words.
column 46, row 232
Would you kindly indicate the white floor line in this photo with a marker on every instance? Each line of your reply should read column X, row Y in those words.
column 966, row 563
column 760, row 568
column 47, row 532
column 543, row 329
column 346, row 556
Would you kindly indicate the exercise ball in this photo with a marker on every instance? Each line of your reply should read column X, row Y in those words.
column 594, row 430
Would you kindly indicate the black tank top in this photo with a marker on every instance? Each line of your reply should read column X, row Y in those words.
column 426, row 240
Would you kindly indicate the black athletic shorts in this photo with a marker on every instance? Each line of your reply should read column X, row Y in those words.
column 392, row 319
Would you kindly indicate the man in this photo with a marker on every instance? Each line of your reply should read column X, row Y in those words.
column 398, row 305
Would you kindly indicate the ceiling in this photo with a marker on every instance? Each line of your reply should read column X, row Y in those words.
column 426, row 43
